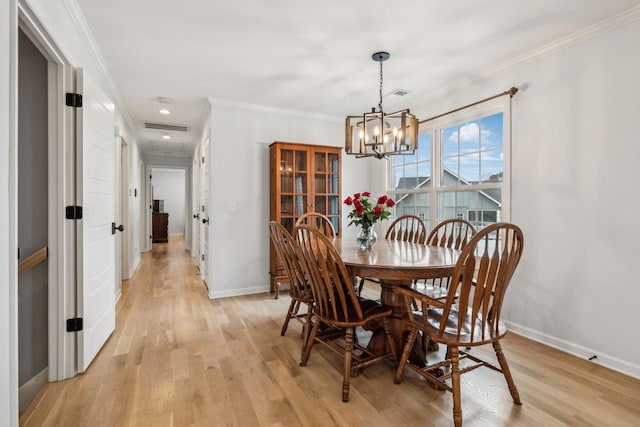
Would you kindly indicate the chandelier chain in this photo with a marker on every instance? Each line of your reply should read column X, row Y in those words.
column 380, row 103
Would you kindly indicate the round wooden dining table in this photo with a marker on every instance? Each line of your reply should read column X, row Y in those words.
column 396, row 263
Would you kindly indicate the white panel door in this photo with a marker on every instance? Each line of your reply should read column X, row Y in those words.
column 95, row 193
column 204, row 213
column 195, row 207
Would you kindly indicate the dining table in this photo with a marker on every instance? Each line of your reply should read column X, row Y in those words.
column 396, row 263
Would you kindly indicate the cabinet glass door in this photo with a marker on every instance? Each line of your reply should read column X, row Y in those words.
column 333, row 191
column 326, row 169
column 294, row 187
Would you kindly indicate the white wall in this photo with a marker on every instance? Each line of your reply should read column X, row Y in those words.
column 8, row 255
column 170, row 185
column 575, row 165
column 240, row 135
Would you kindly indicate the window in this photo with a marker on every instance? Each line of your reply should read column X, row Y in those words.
column 460, row 169
column 483, row 217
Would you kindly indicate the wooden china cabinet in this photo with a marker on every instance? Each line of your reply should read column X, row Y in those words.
column 302, row 178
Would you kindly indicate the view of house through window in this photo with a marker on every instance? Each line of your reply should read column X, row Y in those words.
column 458, row 170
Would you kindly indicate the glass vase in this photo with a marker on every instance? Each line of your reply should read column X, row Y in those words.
column 366, row 238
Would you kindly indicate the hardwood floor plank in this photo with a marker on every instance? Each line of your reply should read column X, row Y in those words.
column 180, row 359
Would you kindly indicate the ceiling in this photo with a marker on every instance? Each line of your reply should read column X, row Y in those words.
column 311, row 56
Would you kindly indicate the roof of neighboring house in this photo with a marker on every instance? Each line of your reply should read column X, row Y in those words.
column 406, row 183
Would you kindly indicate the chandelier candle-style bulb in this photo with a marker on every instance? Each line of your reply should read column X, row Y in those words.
column 394, row 133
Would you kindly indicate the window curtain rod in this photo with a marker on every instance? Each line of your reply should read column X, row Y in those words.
column 509, row 92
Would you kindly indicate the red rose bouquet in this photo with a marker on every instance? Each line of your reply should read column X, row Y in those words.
column 365, row 213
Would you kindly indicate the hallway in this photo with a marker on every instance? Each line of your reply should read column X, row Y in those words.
column 178, row 358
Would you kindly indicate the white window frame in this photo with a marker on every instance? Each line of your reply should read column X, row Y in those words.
column 495, row 106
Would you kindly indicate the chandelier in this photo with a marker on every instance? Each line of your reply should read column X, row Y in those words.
column 379, row 134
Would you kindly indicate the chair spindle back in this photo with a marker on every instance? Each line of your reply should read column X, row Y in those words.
column 480, row 280
column 333, row 292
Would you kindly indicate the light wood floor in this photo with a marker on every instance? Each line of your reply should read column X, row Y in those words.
column 180, row 359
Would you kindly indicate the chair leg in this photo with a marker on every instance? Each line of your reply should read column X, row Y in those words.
column 277, row 286
column 290, row 314
column 455, row 385
column 405, row 355
column 348, row 354
column 360, row 286
column 507, row 372
column 306, row 329
column 390, row 343
column 309, row 344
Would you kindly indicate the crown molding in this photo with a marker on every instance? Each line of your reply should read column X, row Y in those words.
column 604, row 26
column 78, row 19
column 609, row 24
column 217, row 102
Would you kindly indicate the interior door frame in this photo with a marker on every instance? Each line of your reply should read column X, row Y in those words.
column 9, row 334
column 195, row 207
column 124, row 209
column 117, row 211
column 61, row 239
column 203, row 208
column 187, row 211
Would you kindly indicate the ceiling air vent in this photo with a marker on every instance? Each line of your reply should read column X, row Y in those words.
column 165, row 126
column 400, row 92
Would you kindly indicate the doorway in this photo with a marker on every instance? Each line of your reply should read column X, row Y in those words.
column 169, row 203
column 32, row 219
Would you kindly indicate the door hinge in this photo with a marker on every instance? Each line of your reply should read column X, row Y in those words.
column 73, row 99
column 149, row 235
column 73, row 212
column 203, row 257
column 74, row 325
column 202, row 159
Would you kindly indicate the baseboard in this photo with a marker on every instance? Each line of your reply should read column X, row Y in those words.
column 176, row 234
column 605, row 360
column 237, row 292
column 135, row 266
column 29, row 390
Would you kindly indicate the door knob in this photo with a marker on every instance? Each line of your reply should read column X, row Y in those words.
column 114, row 228
column 196, row 216
column 205, row 220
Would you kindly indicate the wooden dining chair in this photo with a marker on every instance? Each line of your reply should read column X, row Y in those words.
column 299, row 290
column 319, row 221
column 407, row 228
column 451, row 233
column 338, row 310
column 470, row 315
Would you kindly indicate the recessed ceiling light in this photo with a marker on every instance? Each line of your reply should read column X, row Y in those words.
column 164, row 111
column 165, row 136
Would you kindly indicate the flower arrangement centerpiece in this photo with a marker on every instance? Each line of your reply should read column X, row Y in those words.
column 366, row 213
